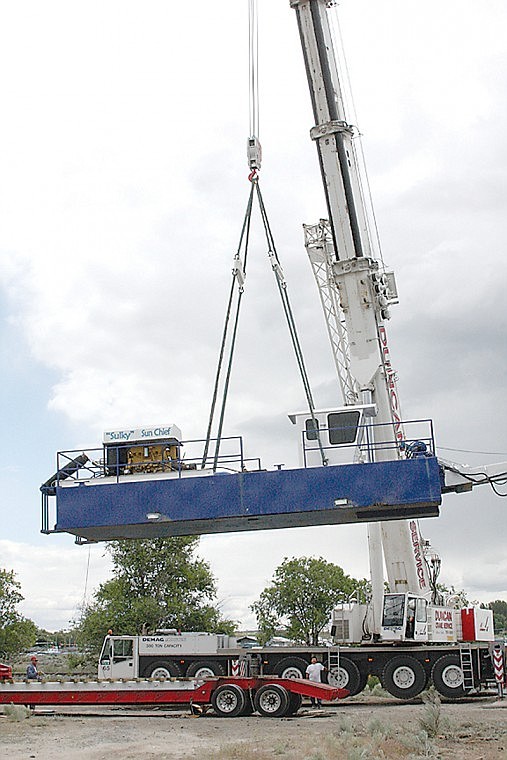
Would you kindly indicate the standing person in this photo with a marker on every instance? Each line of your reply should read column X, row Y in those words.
column 31, row 672
column 313, row 673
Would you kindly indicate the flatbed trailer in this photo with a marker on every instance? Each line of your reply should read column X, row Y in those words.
column 229, row 696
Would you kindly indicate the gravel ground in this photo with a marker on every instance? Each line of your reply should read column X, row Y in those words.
column 370, row 728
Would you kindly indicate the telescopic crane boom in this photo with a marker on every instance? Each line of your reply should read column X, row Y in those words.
column 362, row 294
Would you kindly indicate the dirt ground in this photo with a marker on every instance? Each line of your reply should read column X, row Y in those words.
column 362, row 728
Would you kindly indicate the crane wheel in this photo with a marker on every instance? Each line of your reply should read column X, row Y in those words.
column 163, row 669
column 291, row 667
column 347, row 676
column 205, row 669
column 404, row 677
column 447, row 677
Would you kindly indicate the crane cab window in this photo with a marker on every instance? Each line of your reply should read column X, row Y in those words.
column 421, row 611
column 312, row 429
column 394, row 610
column 106, row 652
column 342, row 427
column 122, row 649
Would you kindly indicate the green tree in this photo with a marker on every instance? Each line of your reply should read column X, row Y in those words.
column 301, row 597
column 456, row 596
column 499, row 607
column 18, row 636
column 16, row 632
column 157, row 583
column 10, row 597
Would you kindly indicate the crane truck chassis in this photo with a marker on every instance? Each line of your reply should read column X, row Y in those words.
column 403, row 670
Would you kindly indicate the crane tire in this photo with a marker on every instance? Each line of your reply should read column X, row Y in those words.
column 291, row 667
column 272, row 701
column 447, row 676
column 228, row 700
column 163, row 669
column 205, row 669
column 404, row 677
column 347, row 676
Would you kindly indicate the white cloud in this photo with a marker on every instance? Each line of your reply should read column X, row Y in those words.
column 55, row 580
column 123, row 191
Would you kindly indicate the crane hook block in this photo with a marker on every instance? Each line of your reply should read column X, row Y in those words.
column 254, row 153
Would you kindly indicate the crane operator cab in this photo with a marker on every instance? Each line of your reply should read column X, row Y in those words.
column 404, row 618
column 344, row 433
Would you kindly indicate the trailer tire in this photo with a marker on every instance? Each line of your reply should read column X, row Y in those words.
column 291, row 667
column 249, row 705
column 205, row 669
column 347, row 676
column 272, row 701
column 404, row 677
column 294, row 703
column 163, row 669
column 228, row 701
column 447, row 677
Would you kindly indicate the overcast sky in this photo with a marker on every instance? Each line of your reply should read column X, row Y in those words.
column 123, row 185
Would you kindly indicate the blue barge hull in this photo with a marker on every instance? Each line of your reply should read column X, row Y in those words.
column 258, row 500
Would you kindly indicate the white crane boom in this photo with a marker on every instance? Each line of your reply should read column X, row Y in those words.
column 356, row 296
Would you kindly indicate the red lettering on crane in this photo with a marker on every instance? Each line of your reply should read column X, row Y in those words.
column 418, row 556
column 391, row 383
column 443, row 615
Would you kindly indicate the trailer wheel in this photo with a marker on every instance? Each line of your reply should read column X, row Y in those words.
column 163, row 670
column 249, row 705
column 205, row 669
column 228, row 701
column 404, row 677
column 347, row 676
column 272, row 701
column 447, row 676
column 294, row 703
column 291, row 667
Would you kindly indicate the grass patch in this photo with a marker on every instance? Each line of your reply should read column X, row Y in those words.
column 379, row 691
column 17, row 713
column 431, row 721
column 379, row 730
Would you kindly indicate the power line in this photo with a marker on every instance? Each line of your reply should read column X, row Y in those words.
column 471, row 451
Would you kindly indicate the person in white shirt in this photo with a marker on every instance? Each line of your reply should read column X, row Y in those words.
column 313, row 673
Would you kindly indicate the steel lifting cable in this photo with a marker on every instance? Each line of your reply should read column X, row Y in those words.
column 239, row 271
column 254, row 163
column 282, row 288
column 253, row 67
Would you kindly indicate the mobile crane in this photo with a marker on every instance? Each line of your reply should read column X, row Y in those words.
column 356, row 293
column 141, row 485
